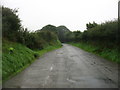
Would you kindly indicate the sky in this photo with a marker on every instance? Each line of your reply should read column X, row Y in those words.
column 74, row 14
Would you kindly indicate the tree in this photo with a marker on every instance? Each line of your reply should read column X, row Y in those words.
column 10, row 22
column 91, row 25
column 49, row 28
column 77, row 35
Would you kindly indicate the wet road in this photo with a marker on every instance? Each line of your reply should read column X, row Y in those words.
column 67, row 67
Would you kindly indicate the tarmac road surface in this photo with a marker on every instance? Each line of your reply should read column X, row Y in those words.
column 67, row 67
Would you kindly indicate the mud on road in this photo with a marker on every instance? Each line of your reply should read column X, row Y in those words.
column 67, row 67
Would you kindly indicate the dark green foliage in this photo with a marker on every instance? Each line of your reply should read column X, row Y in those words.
column 102, row 39
column 36, row 55
column 47, row 35
column 62, row 33
column 37, row 40
column 13, row 31
column 49, row 28
column 10, row 23
column 69, row 36
column 91, row 25
column 105, row 33
column 77, row 35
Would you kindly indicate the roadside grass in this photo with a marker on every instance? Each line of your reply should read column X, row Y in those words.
column 47, row 49
column 110, row 54
column 21, row 57
column 53, row 46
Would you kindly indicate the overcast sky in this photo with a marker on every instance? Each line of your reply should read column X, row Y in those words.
column 74, row 14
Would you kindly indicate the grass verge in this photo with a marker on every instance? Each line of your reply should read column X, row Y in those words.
column 47, row 49
column 20, row 58
column 110, row 54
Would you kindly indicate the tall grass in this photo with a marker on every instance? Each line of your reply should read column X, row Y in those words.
column 111, row 54
column 21, row 57
column 13, row 62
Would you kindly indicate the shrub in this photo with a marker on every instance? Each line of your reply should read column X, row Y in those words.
column 36, row 55
column 10, row 23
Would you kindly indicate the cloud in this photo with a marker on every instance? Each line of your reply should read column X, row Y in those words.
column 72, row 13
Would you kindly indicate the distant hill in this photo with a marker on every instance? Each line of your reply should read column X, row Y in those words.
column 63, row 28
column 54, row 28
column 49, row 28
column 61, row 31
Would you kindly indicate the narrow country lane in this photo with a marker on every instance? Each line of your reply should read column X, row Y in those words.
column 67, row 67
